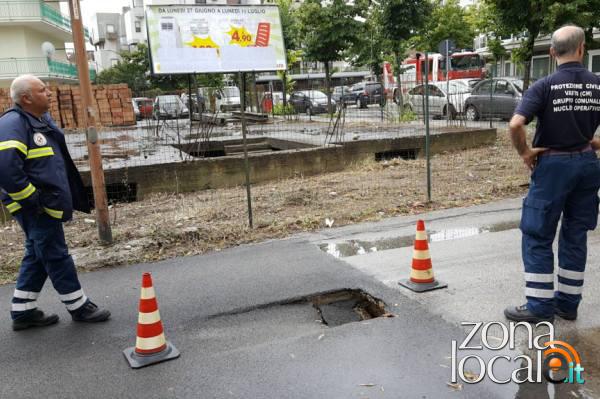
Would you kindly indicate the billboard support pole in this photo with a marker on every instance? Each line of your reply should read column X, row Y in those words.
column 242, row 78
column 190, row 101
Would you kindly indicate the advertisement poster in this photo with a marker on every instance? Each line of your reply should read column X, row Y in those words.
column 211, row 39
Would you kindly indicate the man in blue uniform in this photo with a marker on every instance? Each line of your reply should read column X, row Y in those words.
column 564, row 181
column 41, row 187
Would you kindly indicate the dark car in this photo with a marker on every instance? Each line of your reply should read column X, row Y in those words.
column 494, row 98
column 343, row 95
column 368, row 93
column 310, row 101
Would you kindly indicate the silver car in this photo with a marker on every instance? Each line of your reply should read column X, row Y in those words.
column 438, row 99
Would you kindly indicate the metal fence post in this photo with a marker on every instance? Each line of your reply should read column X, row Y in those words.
column 426, row 112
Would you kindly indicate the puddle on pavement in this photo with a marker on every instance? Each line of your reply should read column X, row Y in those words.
column 361, row 247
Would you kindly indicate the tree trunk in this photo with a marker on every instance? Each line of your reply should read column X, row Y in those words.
column 328, row 87
column 529, row 43
column 399, row 84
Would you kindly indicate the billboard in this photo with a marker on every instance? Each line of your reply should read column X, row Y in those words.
column 214, row 39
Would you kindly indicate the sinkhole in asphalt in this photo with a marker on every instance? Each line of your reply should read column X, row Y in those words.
column 361, row 247
column 347, row 306
column 331, row 309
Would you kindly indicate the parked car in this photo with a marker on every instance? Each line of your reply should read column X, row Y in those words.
column 228, row 99
column 494, row 98
column 343, row 95
column 198, row 101
column 368, row 93
column 169, row 106
column 467, row 82
column 142, row 107
column 438, row 99
column 310, row 101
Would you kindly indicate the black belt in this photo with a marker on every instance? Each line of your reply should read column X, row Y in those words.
column 587, row 148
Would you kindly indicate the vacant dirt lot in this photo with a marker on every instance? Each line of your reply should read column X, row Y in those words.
column 170, row 225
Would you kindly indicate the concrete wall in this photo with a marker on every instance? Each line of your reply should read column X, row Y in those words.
column 13, row 42
column 228, row 171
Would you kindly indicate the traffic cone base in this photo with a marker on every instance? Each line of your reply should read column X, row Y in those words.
column 422, row 287
column 137, row 360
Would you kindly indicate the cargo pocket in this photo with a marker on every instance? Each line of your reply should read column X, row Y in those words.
column 535, row 219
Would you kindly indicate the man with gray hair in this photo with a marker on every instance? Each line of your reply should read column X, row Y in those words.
column 40, row 186
column 564, row 182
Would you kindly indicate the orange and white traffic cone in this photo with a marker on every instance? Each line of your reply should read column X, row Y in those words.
column 150, row 344
column 421, row 275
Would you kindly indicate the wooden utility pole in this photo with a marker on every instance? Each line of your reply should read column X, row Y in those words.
column 89, row 121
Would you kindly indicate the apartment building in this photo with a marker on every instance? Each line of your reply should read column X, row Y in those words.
column 24, row 26
column 108, row 37
column 541, row 62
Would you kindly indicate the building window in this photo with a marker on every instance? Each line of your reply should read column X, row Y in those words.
column 138, row 26
column 595, row 64
column 138, row 3
column 114, row 61
column 507, row 69
column 540, row 67
column 110, row 28
column 200, row 1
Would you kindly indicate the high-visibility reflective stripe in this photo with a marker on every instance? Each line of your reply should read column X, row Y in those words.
column 72, row 296
column 40, row 152
column 21, row 307
column 149, row 318
column 570, row 289
column 421, row 235
column 421, row 274
column 151, row 351
column 25, row 193
column 54, row 213
column 539, row 277
column 421, row 254
column 77, row 305
column 421, row 264
column 13, row 207
column 573, row 275
column 539, row 293
column 147, row 293
column 150, row 343
column 26, row 294
column 5, row 145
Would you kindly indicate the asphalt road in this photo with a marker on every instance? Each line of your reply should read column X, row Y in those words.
column 242, row 333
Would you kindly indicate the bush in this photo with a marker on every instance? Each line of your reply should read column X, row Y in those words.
column 408, row 115
column 279, row 109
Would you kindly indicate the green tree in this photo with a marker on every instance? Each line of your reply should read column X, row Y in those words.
column 326, row 31
column 448, row 20
column 532, row 18
column 371, row 46
column 133, row 69
column 401, row 19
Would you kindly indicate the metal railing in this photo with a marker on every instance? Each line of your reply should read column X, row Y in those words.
column 27, row 10
column 39, row 66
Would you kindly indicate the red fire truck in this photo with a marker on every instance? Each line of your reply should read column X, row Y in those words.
column 463, row 65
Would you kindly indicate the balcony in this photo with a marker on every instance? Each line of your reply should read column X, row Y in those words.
column 41, row 67
column 28, row 11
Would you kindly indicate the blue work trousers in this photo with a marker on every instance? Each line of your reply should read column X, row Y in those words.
column 46, row 255
column 567, row 185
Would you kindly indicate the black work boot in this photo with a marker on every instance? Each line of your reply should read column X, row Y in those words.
column 35, row 318
column 90, row 313
column 521, row 313
column 565, row 315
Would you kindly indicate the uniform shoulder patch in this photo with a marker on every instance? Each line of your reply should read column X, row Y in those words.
column 39, row 139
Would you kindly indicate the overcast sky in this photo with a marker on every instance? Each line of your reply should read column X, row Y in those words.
column 91, row 7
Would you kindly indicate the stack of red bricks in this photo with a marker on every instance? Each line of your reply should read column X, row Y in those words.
column 112, row 104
